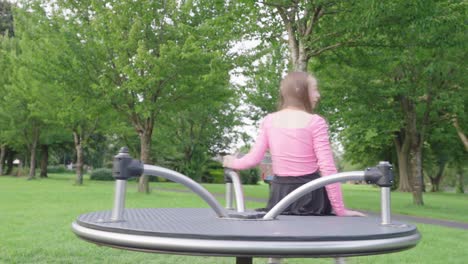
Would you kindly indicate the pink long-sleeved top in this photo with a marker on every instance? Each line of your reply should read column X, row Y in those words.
column 296, row 152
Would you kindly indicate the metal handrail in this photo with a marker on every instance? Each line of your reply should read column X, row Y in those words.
column 309, row 187
column 125, row 167
column 238, row 191
column 191, row 184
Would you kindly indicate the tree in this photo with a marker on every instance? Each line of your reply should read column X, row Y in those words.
column 188, row 139
column 261, row 89
column 442, row 149
column 460, row 132
column 28, row 101
column 405, row 78
column 73, row 66
column 314, row 27
column 6, row 19
column 308, row 29
column 392, row 59
column 157, row 56
column 7, row 48
column 53, row 137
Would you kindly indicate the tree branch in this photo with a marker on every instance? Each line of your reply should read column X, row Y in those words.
column 292, row 41
column 326, row 36
column 317, row 14
column 460, row 132
column 322, row 50
column 272, row 4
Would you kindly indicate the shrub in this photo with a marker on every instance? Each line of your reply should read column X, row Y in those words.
column 109, row 164
column 101, row 174
column 250, row 176
column 24, row 171
column 217, row 176
column 214, row 172
column 57, row 169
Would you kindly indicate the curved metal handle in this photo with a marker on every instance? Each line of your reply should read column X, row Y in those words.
column 311, row 186
column 193, row 185
column 238, row 190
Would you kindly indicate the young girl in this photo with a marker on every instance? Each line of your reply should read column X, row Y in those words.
column 300, row 150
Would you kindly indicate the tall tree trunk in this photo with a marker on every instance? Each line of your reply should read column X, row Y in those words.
column 32, row 162
column 145, row 157
column 79, row 158
column 19, row 172
column 435, row 184
column 44, row 160
column 416, row 174
column 300, row 26
column 435, row 181
column 460, row 185
column 79, row 165
column 415, row 152
column 299, row 56
column 2, row 157
column 412, row 149
column 460, row 133
column 10, row 157
column 402, row 147
column 301, row 64
column 301, row 59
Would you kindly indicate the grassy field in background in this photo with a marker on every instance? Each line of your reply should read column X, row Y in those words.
column 448, row 206
column 35, row 218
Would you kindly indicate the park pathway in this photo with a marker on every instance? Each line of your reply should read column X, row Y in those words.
column 397, row 217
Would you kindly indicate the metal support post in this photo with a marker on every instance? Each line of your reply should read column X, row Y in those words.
column 229, row 196
column 119, row 200
column 385, row 205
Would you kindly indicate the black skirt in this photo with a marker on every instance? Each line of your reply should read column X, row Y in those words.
column 313, row 203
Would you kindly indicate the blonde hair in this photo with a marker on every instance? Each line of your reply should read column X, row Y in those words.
column 294, row 91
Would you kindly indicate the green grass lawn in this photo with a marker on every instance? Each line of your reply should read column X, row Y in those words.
column 35, row 218
column 448, row 206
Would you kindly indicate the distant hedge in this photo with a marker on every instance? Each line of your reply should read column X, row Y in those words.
column 215, row 174
column 57, row 169
column 101, row 174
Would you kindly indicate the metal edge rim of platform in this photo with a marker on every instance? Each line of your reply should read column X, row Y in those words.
column 116, row 229
column 93, row 226
column 245, row 247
